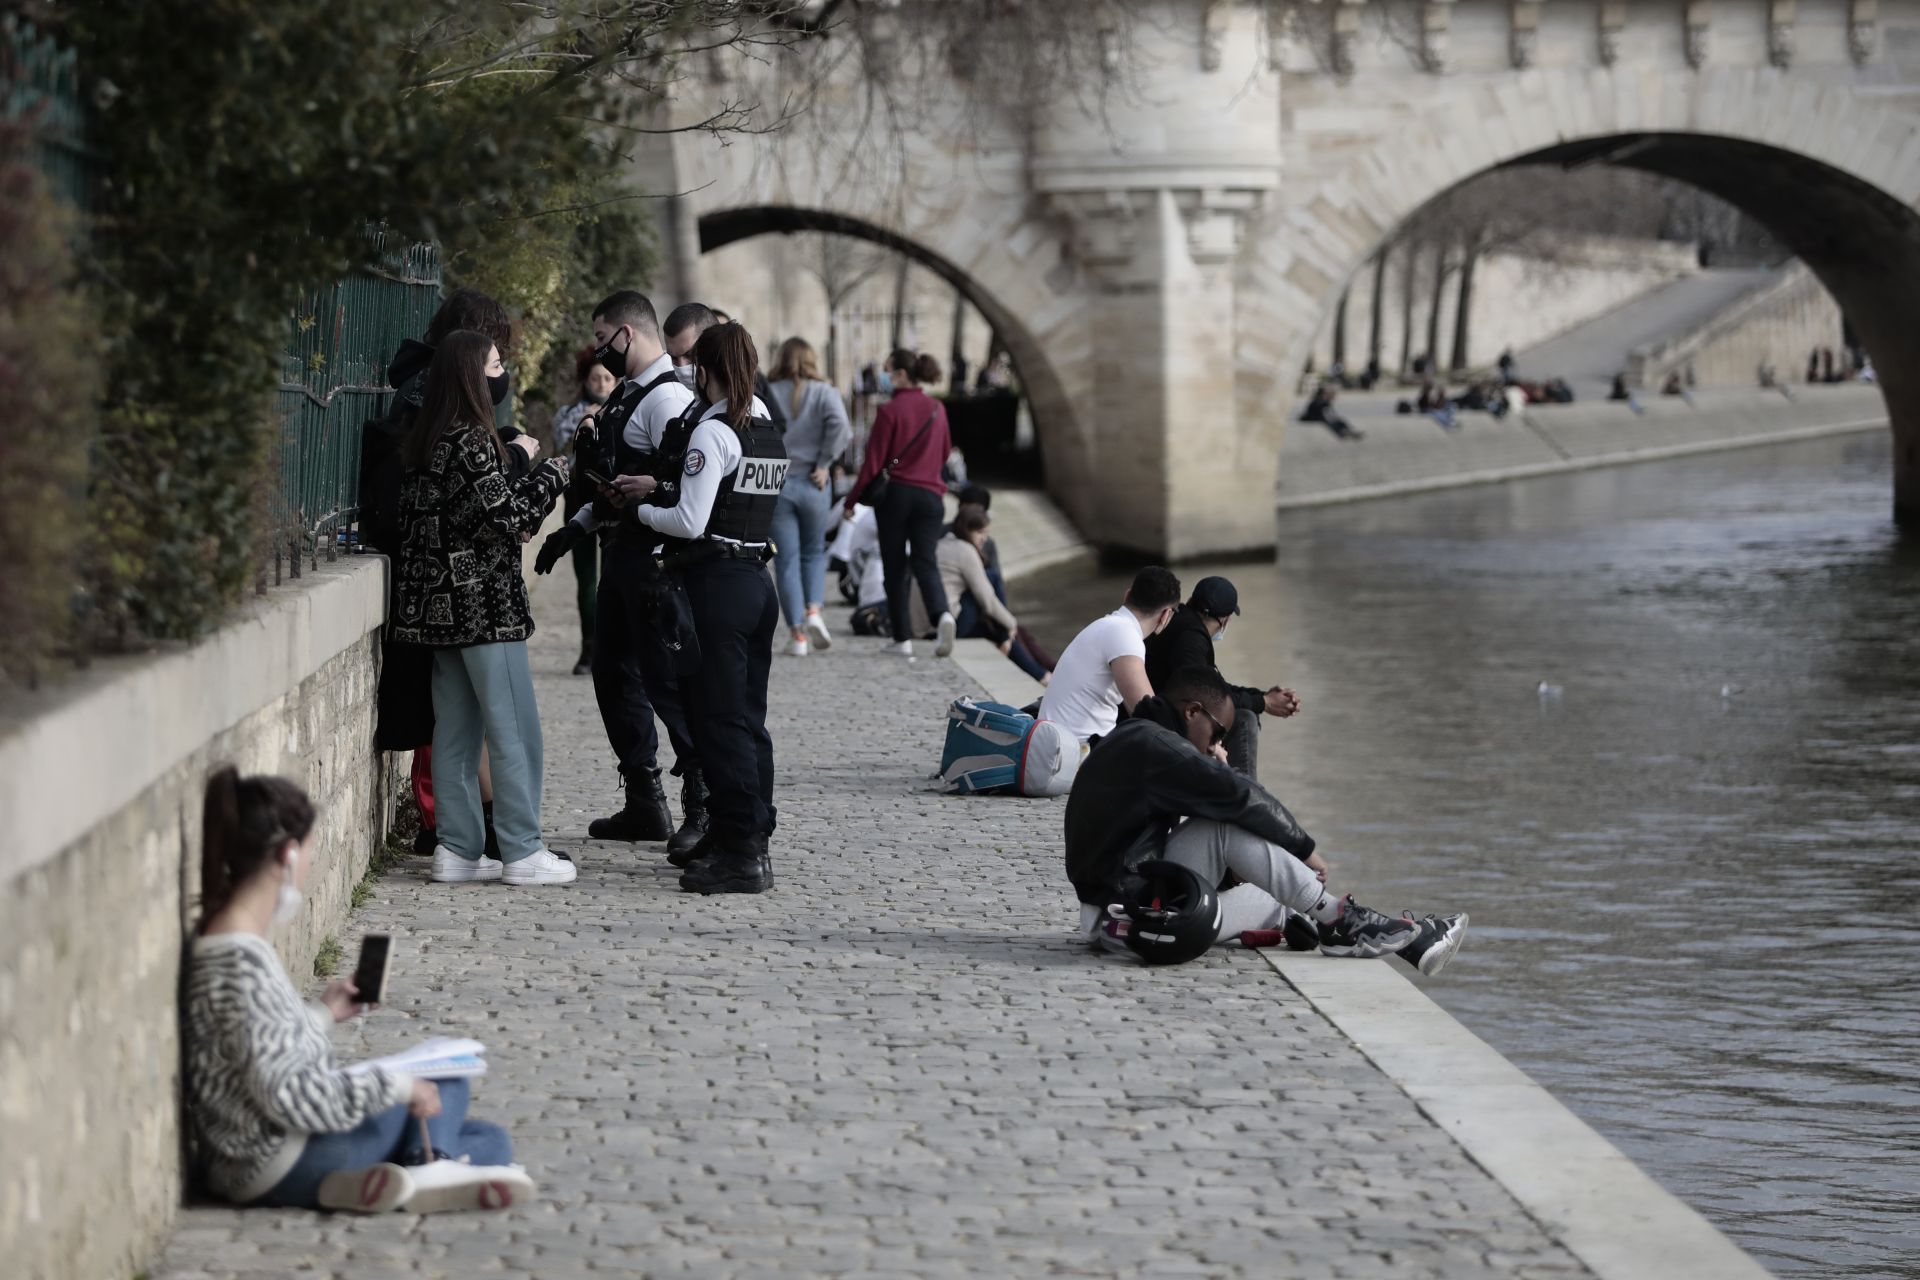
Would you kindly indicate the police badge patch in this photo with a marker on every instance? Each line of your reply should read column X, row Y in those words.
column 696, row 462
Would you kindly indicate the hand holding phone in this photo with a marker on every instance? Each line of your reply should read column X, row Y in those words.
column 370, row 975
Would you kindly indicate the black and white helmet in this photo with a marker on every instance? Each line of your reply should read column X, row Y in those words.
column 1169, row 916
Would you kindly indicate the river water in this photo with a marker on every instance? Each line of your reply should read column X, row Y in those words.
column 1692, row 870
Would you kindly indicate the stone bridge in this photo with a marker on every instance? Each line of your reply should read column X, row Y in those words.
column 1158, row 266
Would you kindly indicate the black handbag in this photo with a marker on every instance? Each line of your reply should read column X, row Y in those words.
column 876, row 491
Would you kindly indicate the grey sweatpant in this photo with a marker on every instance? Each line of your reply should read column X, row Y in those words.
column 1274, row 879
column 485, row 691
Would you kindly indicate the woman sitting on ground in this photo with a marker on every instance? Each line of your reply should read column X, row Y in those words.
column 963, row 572
column 276, row 1121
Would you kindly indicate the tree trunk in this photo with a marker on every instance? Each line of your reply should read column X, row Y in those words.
column 1379, row 300
column 1410, row 257
column 1463, row 311
column 1340, row 332
column 900, row 301
column 957, row 352
column 1433, row 308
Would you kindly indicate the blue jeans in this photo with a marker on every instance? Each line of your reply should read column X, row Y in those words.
column 971, row 623
column 485, row 691
column 392, row 1135
column 800, row 522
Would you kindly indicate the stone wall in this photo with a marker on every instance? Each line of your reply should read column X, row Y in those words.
column 1411, row 454
column 100, row 788
column 1777, row 326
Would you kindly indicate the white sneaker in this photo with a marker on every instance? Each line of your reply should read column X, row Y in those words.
column 948, row 629
column 542, row 866
column 903, row 649
column 797, row 647
column 450, row 868
column 378, row 1188
column 443, row 1186
column 818, row 633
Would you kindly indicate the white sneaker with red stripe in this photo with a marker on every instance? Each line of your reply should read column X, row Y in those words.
column 379, row 1188
column 447, row 1186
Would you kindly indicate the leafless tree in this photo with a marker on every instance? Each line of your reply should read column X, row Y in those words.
column 841, row 264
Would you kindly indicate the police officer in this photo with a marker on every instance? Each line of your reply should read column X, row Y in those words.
column 728, row 483
column 636, row 673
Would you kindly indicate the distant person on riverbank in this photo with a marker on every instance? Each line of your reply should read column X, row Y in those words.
column 979, row 612
column 1104, row 669
column 1158, row 789
column 462, row 595
column 909, row 442
column 818, row 431
column 978, row 495
column 864, row 582
column 1320, row 409
column 1190, row 641
column 275, row 1119
column 1619, row 390
column 1508, row 368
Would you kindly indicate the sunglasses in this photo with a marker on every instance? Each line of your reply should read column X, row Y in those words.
column 1219, row 730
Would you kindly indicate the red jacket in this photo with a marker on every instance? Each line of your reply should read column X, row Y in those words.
column 894, row 428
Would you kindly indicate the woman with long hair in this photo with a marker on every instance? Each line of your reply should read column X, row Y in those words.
column 731, row 479
column 596, row 385
column 461, row 595
column 910, row 442
column 276, row 1120
column 817, row 432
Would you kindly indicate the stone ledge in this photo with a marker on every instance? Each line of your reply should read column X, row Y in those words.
column 1589, row 1198
column 73, row 756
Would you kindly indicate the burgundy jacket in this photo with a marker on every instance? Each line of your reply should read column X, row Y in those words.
column 897, row 423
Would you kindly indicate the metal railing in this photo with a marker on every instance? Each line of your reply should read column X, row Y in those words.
column 333, row 379
column 42, row 86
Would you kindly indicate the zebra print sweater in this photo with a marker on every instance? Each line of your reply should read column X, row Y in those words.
column 261, row 1074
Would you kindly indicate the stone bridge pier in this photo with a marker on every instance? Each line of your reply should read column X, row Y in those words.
column 1158, row 250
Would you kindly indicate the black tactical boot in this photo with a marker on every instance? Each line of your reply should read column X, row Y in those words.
column 645, row 817
column 693, row 815
column 738, row 864
column 688, row 857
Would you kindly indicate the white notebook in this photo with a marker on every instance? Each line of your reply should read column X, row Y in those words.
column 441, row 1058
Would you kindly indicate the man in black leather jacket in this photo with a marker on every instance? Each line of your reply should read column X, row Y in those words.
column 1159, row 786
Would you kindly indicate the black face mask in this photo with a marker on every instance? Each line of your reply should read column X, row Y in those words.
column 614, row 362
column 592, row 397
column 497, row 385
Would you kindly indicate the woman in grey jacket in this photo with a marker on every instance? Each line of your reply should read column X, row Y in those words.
column 276, row 1120
column 817, row 432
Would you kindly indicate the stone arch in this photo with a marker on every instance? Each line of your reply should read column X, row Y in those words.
column 1039, row 326
column 1835, row 177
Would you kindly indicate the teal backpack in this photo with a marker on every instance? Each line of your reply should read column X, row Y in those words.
column 996, row 749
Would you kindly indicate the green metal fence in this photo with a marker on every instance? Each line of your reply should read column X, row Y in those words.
column 42, row 87
column 333, row 379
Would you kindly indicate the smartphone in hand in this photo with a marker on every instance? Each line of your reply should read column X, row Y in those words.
column 370, row 975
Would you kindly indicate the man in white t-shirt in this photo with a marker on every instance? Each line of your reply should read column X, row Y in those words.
column 1105, row 668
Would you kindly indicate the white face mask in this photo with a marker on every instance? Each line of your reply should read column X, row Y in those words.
column 290, row 896
column 685, row 374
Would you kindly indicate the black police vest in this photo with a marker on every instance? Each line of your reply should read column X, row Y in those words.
column 628, row 458
column 743, row 509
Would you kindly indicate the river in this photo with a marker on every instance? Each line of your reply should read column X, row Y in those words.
column 1691, row 859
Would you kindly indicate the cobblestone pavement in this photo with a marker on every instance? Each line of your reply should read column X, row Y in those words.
column 900, row 1062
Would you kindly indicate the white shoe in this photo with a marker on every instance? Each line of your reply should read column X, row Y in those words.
column 378, row 1188
column 903, row 649
column 948, row 629
column 818, row 633
column 797, row 647
column 444, row 1186
column 542, row 866
column 450, row 868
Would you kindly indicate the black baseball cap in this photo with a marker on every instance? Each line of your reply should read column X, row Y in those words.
column 1215, row 597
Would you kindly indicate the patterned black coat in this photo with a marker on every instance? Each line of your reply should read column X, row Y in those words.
column 459, row 566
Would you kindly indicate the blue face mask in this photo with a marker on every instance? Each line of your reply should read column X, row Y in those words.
column 1221, row 634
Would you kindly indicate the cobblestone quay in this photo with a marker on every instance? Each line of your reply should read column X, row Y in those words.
column 900, row 1062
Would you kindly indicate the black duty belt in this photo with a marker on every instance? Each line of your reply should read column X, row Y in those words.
column 707, row 549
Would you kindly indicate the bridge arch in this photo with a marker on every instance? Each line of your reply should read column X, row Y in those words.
column 1835, row 178
column 1038, row 327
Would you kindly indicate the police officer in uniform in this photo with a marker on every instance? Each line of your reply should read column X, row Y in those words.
column 637, row 668
column 717, row 526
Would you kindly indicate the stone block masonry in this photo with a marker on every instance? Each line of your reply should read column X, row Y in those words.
column 100, row 796
column 900, row 1062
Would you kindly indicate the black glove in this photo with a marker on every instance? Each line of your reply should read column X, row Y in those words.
column 558, row 543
